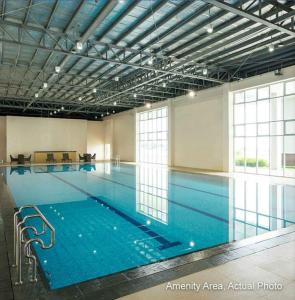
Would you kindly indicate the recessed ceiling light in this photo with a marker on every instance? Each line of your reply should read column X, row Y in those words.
column 101, row 115
column 150, row 61
column 148, row 105
column 115, row 103
column 62, row 108
column 94, row 90
column 191, row 93
column 45, row 85
column 57, row 69
column 205, row 71
column 117, row 78
column 95, row 117
column 36, row 95
column 108, row 113
column 50, row 113
column 164, row 84
column 54, row 112
column 134, row 95
column 58, row 110
column 114, row 112
column 80, row 98
column 210, row 28
column 79, row 46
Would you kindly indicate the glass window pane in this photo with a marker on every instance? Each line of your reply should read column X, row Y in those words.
column 276, row 155
column 263, row 155
column 250, row 155
column 239, row 97
column 239, row 116
column 277, row 90
column 276, row 109
column 239, row 154
column 290, row 127
column 289, row 107
column 239, row 130
column 251, row 129
column 250, row 112
column 276, row 128
column 263, row 93
column 289, row 145
column 263, row 129
column 250, row 95
column 290, row 87
column 263, row 111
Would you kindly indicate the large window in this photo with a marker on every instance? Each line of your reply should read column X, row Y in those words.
column 264, row 130
column 152, row 136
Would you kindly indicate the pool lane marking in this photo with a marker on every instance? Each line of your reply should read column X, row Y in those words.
column 165, row 244
column 169, row 200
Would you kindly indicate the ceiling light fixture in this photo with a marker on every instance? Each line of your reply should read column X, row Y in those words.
column 115, row 103
column 134, row 95
column 50, row 113
column 117, row 78
column 54, row 112
column 164, row 84
column 58, row 110
column 45, row 85
column 271, row 48
column 94, row 90
column 80, row 98
column 57, row 69
column 101, row 115
column 191, row 93
column 36, row 95
column 148, row 105
column 62, row 108
column 114, row 112
column 150, row 61
column 205, row 71
column 108, row 113
column 95, row 117
column 210, row 28
column 79, row 46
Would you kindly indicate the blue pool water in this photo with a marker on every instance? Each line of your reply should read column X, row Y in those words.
column 108, row 218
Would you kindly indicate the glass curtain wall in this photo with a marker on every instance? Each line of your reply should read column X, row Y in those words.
column 264, row 130
column 152, row 136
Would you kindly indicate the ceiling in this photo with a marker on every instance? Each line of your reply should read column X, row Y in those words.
column 115, row 55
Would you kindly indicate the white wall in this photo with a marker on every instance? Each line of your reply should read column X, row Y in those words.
column 2, row 138
column 95, row 139
column 26, row 135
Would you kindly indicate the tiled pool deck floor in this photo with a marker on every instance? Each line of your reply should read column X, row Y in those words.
column 258, row 258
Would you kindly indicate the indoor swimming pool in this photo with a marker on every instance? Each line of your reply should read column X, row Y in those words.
column 111, row 218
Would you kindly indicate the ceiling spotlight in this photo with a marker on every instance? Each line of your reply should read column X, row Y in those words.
column 79, row 46
column 121, row 1
column 62, row 108
column 114, row 112
column 36, row 95
column 54, row 112
column 101, row 115
column 50, row 113
column 45, row 85
column 57, row 69
column 95, row 117
column 210, row 28
column 191, row 93
column 94, row 90
column 116, row 78
column 58, row 110
column 150, row 61
column 134, row 95
column 148, row 105
column 205, row 71
column 164, row 84
column 271, row 48
column 80, row 98
column 108, row 113
column 115, row 103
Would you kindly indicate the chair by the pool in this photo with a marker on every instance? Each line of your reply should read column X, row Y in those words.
column 81, row 157
column 93, row 156
column 21, row 159
column 28, row 159
column 50, row 158
column 66, row 157
column 13, row 159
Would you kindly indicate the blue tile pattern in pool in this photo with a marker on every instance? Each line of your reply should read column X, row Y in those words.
column 109, row 219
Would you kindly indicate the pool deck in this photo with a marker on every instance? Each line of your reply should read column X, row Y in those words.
column 142, row 278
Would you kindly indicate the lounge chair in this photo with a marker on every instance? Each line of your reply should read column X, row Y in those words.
column 81, row 158
column 50, row 158
column 93, row 156
column 28, row 159
column 87, row 157
column 13, row 159
column 21, row 159
column 66, row 157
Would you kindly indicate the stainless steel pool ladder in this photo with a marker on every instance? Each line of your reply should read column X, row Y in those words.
column 118, row 160
column 19, row 239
